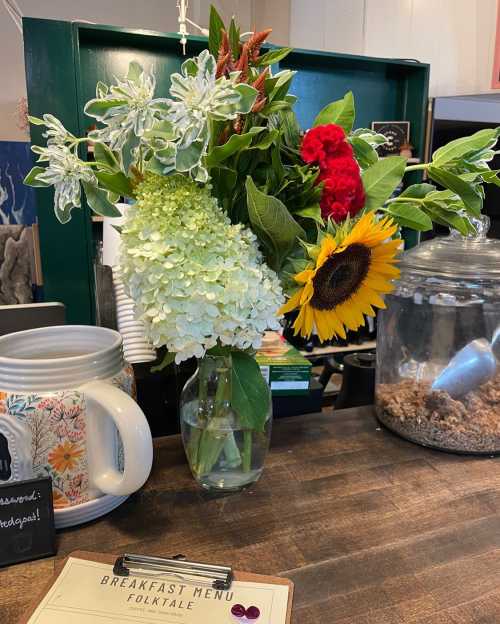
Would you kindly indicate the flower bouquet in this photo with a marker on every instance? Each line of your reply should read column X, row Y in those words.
column 233, row 207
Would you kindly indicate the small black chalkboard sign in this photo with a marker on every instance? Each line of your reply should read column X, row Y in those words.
column 27, row 529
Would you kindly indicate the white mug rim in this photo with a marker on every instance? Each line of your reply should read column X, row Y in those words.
column 72, row 359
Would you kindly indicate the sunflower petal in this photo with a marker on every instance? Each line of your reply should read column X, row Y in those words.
column 304, row 276
column 328, row 246
column 291, row 304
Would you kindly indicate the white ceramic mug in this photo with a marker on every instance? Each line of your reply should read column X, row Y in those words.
column 66, row 412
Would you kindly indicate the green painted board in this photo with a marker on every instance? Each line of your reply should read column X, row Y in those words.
column 66, row 249
column 64, row 62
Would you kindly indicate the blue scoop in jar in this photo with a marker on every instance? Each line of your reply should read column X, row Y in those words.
column 469, row 368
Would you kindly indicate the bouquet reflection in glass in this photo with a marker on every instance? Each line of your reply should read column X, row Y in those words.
column 226, row 447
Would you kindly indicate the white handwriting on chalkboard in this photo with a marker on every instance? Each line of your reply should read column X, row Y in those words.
column 20, row 521
column 19, row 500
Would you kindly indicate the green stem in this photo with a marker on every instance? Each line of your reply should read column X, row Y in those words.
column 246, row 453
column 405, row 200
column 417, row 167
column 212, row 440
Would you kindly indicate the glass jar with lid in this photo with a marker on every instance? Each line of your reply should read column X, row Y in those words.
column 438, row 346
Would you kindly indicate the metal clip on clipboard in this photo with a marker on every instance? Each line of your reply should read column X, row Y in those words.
column 218, row 577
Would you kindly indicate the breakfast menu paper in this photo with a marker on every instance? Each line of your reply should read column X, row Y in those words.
column 86, row 592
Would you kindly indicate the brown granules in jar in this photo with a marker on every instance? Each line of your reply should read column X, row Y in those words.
column 433, row 418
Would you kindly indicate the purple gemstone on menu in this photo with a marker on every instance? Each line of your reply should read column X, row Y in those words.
column 253, row 613
column 238, row 610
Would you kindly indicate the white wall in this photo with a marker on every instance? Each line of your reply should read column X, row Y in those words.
column 455, row 36
column 151, row 14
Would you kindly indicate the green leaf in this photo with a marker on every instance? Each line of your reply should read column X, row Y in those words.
column 418, row 191
column 234, row 39
column 381, row 179
column 189, row 157
column 340, row 112
column 409, row 215
column 113, row 197
column 36, row 121
column 273, row 56
column 215, row 35
column 168, row 359
column 162, row 129
column 451, row 220
column 289, row 125
column 115, row 182
column 236, row 143
column 364, row 152
column 274, row 107
column 250, row 396
column 31, row 180
column 283, row 82
column 155, row 166
column 128, row 150
column 273, row 224
column 472, row 200
column 98, row 108
column 460, row 147
column 370, row 136
column 98, row 201
column 311, row 212
column 135, row 72
column 104, row 155
column 101, row 90
column 224, row 182
column 248, row 96
column 264, row 140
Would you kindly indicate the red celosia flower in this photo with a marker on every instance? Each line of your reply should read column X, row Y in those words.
column 343, row 192
column 323, row 142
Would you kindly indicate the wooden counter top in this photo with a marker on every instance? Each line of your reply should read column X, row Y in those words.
column 372, row 529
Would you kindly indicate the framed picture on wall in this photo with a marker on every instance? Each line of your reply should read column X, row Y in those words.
column 397, row 134
column 495, row 79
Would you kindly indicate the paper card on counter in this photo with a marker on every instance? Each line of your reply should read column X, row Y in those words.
column 87, row 592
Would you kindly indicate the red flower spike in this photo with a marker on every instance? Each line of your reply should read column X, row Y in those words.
column 255, row 42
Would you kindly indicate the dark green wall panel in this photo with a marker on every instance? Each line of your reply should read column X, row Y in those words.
column 66, row 249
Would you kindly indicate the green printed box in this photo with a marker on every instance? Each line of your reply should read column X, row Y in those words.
column 284, row 368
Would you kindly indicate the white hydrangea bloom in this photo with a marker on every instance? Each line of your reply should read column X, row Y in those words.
column 196, row 279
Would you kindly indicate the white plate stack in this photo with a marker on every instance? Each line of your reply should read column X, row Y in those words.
column 135, row 346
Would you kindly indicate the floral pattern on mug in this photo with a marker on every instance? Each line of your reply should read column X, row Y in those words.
column 58, row 436
column 58, row 450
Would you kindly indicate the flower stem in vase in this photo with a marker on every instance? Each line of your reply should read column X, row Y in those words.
column 247, row 450
column 217, row 436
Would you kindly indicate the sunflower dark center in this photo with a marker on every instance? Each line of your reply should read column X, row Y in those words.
column 340, row 277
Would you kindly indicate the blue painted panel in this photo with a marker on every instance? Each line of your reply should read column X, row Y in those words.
column 17, row 202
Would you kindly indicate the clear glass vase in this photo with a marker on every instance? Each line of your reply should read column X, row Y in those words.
column 223, row 455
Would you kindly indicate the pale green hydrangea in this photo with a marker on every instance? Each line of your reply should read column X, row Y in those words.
column 196, row 279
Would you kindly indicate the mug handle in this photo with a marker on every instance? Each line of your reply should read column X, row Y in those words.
column 108, row 405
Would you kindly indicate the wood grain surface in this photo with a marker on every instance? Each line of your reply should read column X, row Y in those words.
column 371, row 529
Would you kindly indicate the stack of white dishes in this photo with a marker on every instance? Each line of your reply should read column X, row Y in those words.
column 136, row 347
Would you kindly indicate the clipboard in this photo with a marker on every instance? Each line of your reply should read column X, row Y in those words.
column 111, row 559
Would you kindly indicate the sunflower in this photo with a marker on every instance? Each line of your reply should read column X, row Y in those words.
column 65, row 456
column 344, row 281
